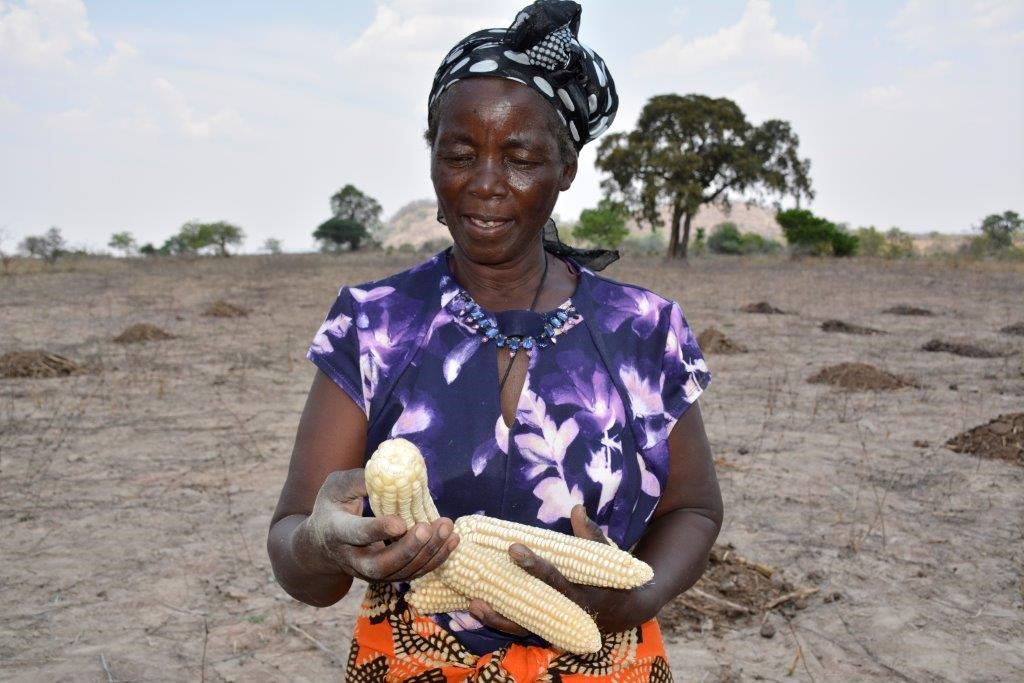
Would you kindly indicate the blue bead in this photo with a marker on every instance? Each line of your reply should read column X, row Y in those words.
column 492, row 332
column 556, row 323
column 477, row 314
column 528, row 343
column 562, row 315
column 548, row 330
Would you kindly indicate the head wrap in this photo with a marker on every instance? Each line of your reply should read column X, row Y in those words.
column 541, row 51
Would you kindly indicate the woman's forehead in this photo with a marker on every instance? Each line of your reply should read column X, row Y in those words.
column 494, row 103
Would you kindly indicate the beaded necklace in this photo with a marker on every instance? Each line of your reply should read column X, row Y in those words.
column 474, row 317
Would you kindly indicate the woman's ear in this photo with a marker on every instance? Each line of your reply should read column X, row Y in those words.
column 568, row 175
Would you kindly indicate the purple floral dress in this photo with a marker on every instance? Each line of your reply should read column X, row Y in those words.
column 590, row 426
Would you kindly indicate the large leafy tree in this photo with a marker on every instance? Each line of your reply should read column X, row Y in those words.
column 352, row 204
column 691, row 150
column 335, row 232
column 1000, row 228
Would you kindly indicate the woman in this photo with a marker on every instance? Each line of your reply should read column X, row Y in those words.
column 537, row 391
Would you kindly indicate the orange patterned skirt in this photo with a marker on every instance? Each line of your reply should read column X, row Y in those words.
column 391, row 642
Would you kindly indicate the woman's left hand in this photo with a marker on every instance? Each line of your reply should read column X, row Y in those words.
column 613, row 609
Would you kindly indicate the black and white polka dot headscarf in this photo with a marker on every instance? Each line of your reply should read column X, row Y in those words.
column 540, row 50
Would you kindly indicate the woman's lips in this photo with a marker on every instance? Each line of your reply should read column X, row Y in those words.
column 487, row 223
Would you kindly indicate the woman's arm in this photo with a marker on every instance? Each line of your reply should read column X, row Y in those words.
column 676, row 544
column 318, row 538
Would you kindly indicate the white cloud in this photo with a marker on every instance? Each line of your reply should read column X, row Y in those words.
column 122, row 53
column 407, row 39
column 7, row 105
column 881, row 95
column 225, row 122
column 933, row 27
column 43, row 33
column 754, row 39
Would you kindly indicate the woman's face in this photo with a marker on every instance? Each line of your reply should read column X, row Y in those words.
column 496, row 167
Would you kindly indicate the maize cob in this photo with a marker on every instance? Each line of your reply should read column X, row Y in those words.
column 396, row 481
column 579, row 560
column 492, row 576
column 430, row 595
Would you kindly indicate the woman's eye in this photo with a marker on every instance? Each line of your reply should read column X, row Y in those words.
column 458, row 159
column 522, row 163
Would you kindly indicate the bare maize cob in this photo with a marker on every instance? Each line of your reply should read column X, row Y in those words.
column 430, row 594
column 396, row 481
column 578, row 559
column 492, row 576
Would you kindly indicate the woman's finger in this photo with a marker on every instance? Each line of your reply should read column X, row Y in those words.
column 383, row 564
column 486, row 615
column 537, row 566
column 440, row 531
column 584, row 527
column 361, row 531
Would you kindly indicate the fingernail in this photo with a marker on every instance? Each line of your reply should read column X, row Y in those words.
column 519, row 555
column 444, row 531
column 422, row 533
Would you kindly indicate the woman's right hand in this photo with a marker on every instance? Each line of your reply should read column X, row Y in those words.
column 355, row 545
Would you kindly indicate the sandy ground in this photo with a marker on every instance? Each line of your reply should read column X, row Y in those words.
column 134, row 500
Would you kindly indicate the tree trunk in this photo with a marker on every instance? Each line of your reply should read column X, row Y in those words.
column 677, row 247
column 686, row 235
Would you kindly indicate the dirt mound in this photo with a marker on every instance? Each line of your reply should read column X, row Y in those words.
column 142, row 332
column 903, row 309
column 1001, row 438
column 36, row 363
column 860, row 377
column 733, row 591
column 713, row 340
column 847, row 328
column 1016, row 328
column 962, row 349
column 222, row 309
column 762, row 307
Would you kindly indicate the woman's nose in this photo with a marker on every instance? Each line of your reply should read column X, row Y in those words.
column 488, row 179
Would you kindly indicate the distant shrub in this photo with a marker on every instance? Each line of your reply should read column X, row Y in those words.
column 810, row 234
column 727, row 239
column 604, row 226
column 648, row 243
column 891, row 244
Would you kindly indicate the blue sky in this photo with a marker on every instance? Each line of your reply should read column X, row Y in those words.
column 140, row 116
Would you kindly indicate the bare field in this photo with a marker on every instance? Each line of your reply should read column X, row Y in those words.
column 135, row 497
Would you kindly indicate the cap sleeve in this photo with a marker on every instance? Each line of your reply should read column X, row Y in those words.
column 685, row 374
column 335, row 348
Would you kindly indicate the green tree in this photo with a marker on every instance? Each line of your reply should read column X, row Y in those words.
column 691, row 150
column 148, row 249
column 999, row 229
column 335, row 233
column 123, row 242
column 604, row 226
column 815, row 235
column 220, row 235
column 352, row 204
column 272, row 245
column 727, row 239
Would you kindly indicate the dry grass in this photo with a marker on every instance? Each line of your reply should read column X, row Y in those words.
column 859, row 377
column 136, row 501
column 35, row 364
column 142, row 332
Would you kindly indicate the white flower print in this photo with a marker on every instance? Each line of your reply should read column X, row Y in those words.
column 557, row 499
column 548, row 448
column 599, row 469
column 644, row 398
